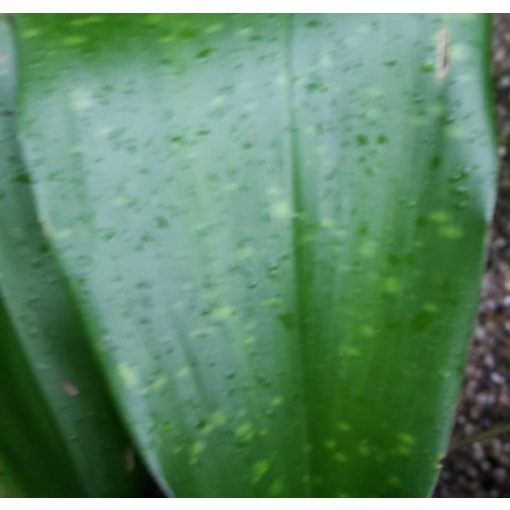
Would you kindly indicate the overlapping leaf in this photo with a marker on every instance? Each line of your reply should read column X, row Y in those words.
column 59, row 435
column 274, row 226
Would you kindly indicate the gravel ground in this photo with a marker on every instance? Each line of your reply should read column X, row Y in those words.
column 481, row 468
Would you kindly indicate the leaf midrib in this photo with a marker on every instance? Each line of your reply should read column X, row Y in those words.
column 297, row 230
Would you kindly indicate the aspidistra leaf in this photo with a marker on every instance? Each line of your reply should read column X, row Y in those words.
column 59, row 433
column 274, row 226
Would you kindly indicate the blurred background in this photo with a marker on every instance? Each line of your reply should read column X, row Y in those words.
column 478, row 463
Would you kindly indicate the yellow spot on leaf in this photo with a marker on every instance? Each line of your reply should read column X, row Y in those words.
column 127, row 374
column 439, row 216
column 330, row 444
column 183, row 372
column 368, row 331
column 454, row 132
column 222, row 313
column 218, row 101
column 245, row 431
column 367, row 249
column 276, row 487
column 245, row 32
column 405, row 438
column 391, row 285
column 451, row 232
column 430, row 308
column 63, row 233
column 86, row 20
column 280, row 80
column 271, row 302
column 340, row 457
column 349, row 351
column 244, row 253
column 327, row 222
column 30, row 33
column 277, row 401
column 281, row 210
column 259, row 469
column 393, row 481
column 74, row 40
column 216, row 420
column 195, row 450
column 343, row 426
column 158, row 383
column 364, row 449
column 216, row 27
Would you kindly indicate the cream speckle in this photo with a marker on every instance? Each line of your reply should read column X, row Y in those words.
column 76, row 150
column 340, row 457
column 418, row 121
column 259, row 469
column 459, row 52
column 183, row 372
column 281, row 80
column 250, row 107
column 367, row 249
column 281, row 210
column 325, row 62
column 364, row 449
column 74, row 40
column 393, row 481
column 166, row 38
column 159, row 383
column 222, row 313
column 216, row 420
column 271, row 302
column 86, row 20
column 342, row 426
column 30, row 33
column 245, row 431
column 218, row 101
column 63, row 233
column 245, row 252
column 330, row 444
column 451, row 232
column 232, row 186
column 368, row 331
column 277, row 401
column 349, row 351
column 249, row 339
column 215, row 27
column 127, row 374
column 276, row 487
column 405, row 438
column 81, row 100
column 104, row 131
column 200, row 332
column 327, row 222
column 430, row 308
column 195, row 450
column 454, row 132
column 439, row 216
column 391, row 285
column 245, row 32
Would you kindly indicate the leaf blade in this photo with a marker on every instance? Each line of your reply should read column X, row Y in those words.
column 58, row 430
column 244, row 228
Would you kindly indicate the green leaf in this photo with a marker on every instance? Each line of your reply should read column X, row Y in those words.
column 274, row 225
column 59, row 435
